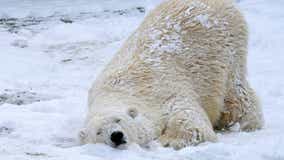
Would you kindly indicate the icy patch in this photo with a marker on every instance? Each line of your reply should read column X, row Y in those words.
column 74, row 52
column 5, row 130
column 22, row 97
column 21, row 43
column 37, row 23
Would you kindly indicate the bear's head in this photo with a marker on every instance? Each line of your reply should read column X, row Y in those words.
column 118, row 129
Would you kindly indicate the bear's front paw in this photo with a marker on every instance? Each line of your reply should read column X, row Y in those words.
column 181, row 140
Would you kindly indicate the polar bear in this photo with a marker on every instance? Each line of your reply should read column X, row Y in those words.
column 178, row 77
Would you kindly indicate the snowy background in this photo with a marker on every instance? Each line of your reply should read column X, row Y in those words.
column 51, row 51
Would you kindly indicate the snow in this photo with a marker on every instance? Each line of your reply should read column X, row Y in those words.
column 47, row 66
column 203, row 19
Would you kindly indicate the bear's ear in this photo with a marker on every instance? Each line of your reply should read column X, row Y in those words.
column 132, row 112
column 83, row 133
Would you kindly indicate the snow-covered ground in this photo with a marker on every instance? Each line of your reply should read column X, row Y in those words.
column 51, row 51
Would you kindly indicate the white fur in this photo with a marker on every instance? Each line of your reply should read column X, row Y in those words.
column 182, row 72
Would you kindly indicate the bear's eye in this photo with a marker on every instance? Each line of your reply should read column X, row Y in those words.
column 99, row 132
column 117, row 120
column 132, row 112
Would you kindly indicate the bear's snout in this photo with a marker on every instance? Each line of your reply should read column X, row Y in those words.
column 117, row 138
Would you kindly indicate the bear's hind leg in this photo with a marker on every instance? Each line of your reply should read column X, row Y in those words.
column 252, row 117
column 242, row 106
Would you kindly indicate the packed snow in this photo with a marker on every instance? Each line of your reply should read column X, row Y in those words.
column 51, row 52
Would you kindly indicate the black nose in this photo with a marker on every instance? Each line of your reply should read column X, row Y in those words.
column 117, row 138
